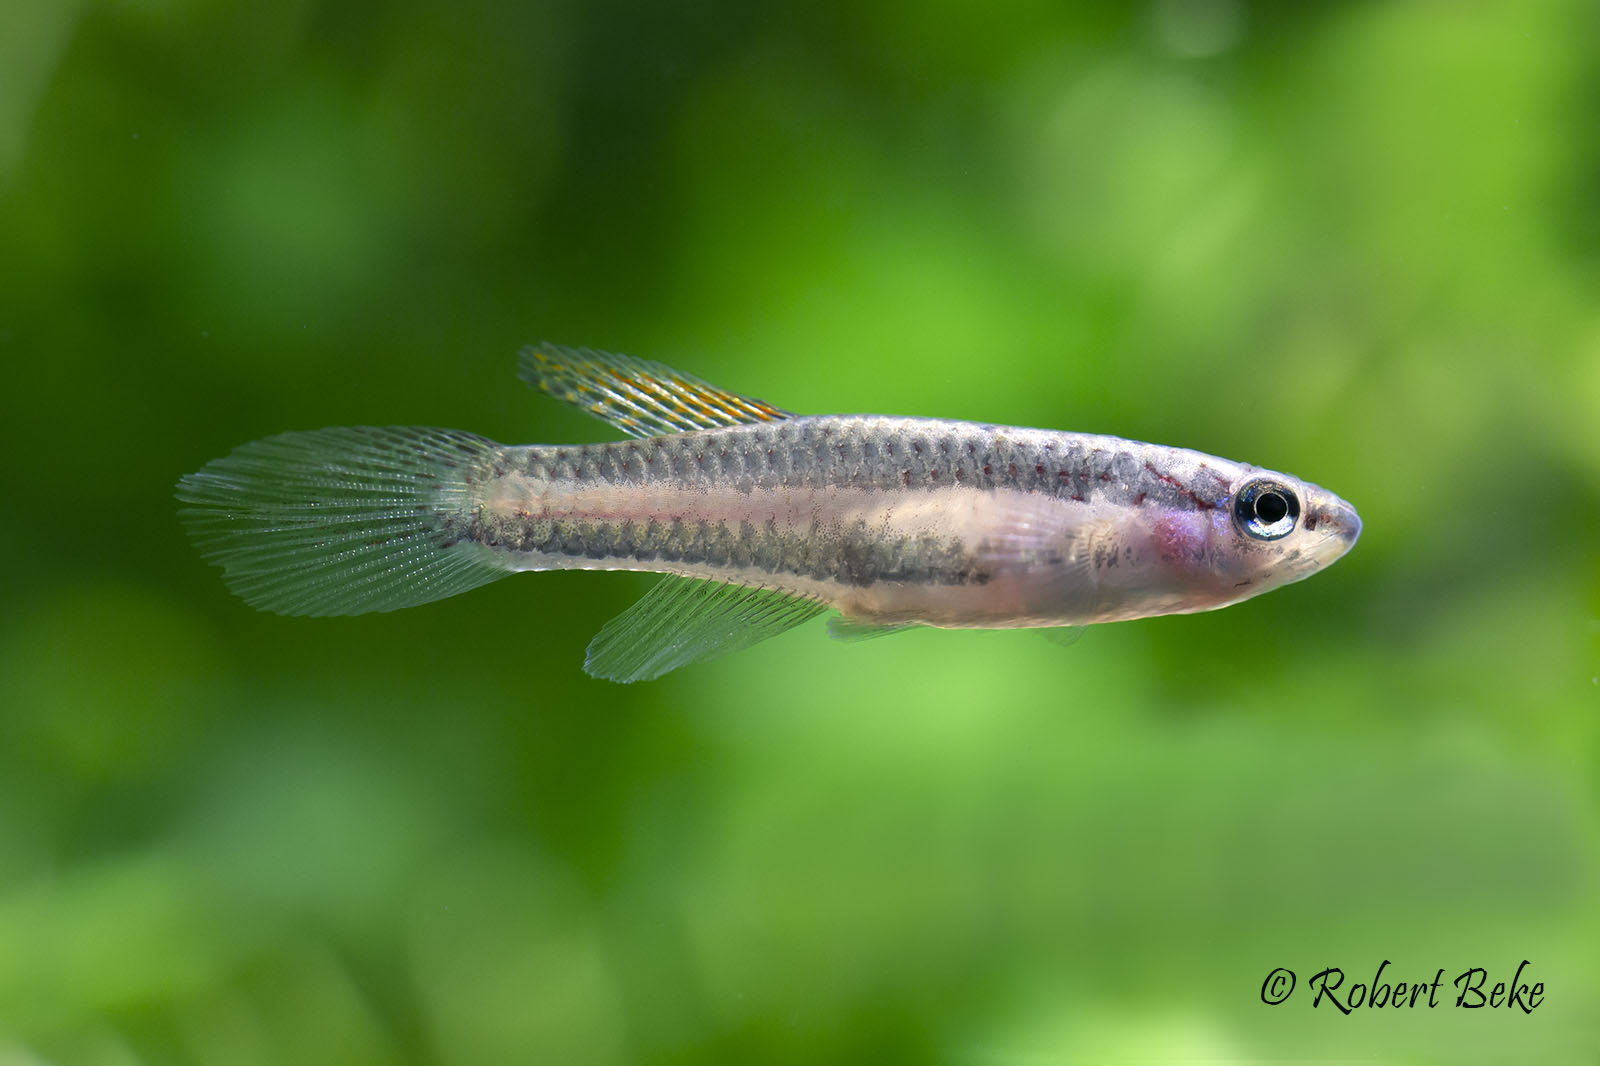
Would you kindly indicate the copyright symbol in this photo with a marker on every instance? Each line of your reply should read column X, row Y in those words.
column 1278, row 986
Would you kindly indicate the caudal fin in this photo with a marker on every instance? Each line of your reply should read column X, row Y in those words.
column 343, row 521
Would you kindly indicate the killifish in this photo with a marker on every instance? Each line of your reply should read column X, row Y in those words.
column 760, row 519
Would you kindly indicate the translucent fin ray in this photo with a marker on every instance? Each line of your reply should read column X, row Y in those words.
column 640, row 398
column 843, row 627
column 683, row 620
column 341, row 521
column 1066, row 636
column 1023, row 532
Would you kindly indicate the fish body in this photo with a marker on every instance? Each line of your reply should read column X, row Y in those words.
column 761, row 519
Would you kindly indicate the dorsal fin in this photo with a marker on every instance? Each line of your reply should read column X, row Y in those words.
column 641, row 398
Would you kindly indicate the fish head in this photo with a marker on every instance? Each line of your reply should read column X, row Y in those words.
column 1213, row 534
column 1272, row 529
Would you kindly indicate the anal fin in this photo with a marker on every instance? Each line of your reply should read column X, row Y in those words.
column 684, row 620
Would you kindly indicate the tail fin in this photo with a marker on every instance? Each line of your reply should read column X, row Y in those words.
column 343, row 521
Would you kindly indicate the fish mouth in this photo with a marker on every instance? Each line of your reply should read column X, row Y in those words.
column 1338, row 526
column 1349, row 521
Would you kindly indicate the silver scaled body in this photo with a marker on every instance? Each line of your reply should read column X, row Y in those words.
column 759, row 518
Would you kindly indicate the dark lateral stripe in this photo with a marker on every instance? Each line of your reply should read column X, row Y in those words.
column 854, row 557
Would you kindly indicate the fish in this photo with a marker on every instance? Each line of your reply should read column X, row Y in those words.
column 759, row 519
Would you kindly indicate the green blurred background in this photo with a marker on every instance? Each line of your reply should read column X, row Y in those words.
column 1358, row 242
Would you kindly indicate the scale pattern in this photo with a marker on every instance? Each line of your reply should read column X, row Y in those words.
column 806, row 460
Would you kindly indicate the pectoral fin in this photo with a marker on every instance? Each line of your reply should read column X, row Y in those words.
column 683, row 620
column 641, row 398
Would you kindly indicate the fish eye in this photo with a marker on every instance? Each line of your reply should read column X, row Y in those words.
column 1266, row 509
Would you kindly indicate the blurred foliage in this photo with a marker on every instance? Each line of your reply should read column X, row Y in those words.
column 1359, row 242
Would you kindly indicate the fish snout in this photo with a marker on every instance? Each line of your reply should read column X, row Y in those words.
column 1349, row 522
column 1336, row 525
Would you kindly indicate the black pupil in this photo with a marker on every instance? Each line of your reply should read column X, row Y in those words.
column 1271, row 507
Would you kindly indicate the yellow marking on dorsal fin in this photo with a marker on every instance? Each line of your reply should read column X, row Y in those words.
column 641, row 398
